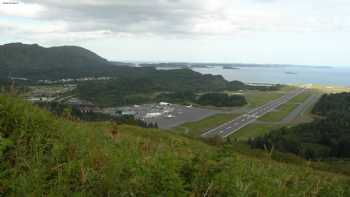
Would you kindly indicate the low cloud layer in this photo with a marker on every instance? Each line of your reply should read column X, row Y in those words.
column 261, row 31
column 89, row 19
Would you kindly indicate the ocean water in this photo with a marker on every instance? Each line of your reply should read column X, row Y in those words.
column 339, row 76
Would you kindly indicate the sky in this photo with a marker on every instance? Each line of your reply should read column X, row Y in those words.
column 304, row 32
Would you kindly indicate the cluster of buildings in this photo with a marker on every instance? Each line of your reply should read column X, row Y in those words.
column 82, row 106
column 70, row 80
column 48, row 94
column 146, row 111
column 57, row 94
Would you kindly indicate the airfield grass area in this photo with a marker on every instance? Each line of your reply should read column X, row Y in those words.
column 306, row 115
column 280, row 113
column 254, row 130
column 259, row 129
column 195, row 129
column 256, row 98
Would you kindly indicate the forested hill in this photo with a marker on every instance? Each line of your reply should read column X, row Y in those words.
column 139, row 87
column 36, row 62
column 333, row 103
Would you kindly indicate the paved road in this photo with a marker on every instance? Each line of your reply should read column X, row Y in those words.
column 231, row 127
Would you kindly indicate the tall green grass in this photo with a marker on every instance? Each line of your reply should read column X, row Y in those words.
column 45, row 156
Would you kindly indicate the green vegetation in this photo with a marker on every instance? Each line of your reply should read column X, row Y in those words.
column 283, row 111
column 280, row 113
column 326, row 137
column 195, row 129
column 207, row 99
column 46, row 156
column 260, row 129
column 137, row 89
column 184, row 98
column 335, row 166
column 253, row 130
column 221, row 100
column 301, row 97
column 258, row 98
column 180, row 86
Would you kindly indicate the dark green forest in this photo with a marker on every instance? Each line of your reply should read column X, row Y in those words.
column 208, row 99
column 221, row 100
column 185, row 97
column 326, row 137
column 138, row 89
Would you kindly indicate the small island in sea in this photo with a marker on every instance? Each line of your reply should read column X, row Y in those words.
column 291, row 73
column 229, row 67
column 200, row 66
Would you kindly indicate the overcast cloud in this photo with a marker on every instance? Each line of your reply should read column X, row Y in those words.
column 53, row 22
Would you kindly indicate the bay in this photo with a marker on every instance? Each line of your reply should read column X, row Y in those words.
column 339, row 76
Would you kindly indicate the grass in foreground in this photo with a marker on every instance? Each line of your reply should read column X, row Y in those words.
column 195, row 129
column 45, row 156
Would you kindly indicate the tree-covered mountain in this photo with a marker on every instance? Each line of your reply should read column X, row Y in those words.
column 36, row 62
column 141, row 87
column 144, row 84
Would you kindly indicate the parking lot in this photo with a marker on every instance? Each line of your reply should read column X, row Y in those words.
column 167, row 115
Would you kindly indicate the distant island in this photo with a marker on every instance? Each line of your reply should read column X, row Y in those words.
column 230, row 67
column 200, row 66
column 227, row 65
column 291, row 73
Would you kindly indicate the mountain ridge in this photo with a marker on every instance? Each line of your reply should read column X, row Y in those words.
column 33, row 61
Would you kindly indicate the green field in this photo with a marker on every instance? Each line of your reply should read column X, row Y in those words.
column 258, row 129
column 195, row 129
column 306, row 115
column 257, row 98
column 280, row 113
column 284, row 110
column 253, row 130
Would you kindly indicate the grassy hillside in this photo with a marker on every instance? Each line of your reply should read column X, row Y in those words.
column 45, row 156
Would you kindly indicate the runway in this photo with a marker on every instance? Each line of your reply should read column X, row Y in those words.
column 234, row 125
